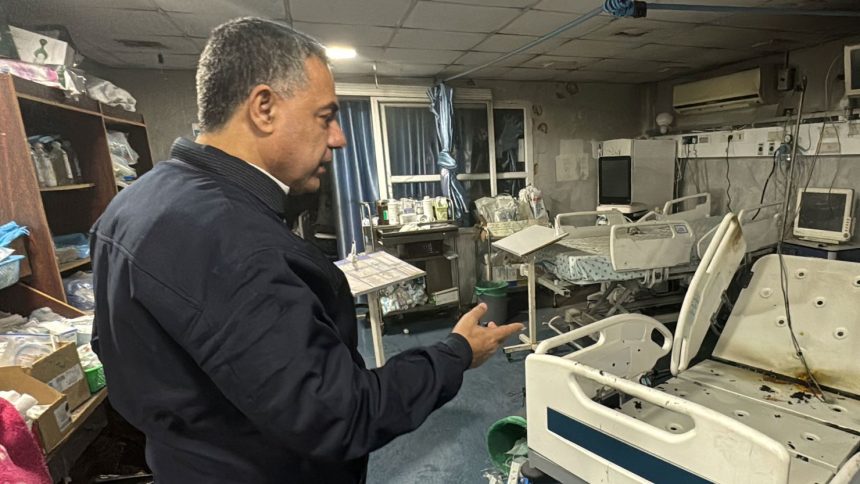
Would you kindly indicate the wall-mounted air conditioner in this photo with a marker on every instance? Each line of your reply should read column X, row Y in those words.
column 733, row 91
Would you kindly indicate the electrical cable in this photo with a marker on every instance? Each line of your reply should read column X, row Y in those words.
column 728, row 180
column 811, row 382
column 766, row 182
column 827, row 81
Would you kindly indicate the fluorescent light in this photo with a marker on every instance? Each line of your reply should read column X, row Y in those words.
column 336, row 53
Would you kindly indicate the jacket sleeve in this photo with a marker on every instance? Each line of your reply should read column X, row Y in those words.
column 265, row 340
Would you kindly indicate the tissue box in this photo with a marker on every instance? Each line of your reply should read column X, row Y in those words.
column 52, row 425
column 62, row 371
column 40, row 49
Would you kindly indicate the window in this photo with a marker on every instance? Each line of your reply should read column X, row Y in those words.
column 513, row 148
column 411, row 146
column 406, row 144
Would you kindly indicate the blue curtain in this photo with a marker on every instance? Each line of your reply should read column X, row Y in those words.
column 442, row 106
column 355, row 178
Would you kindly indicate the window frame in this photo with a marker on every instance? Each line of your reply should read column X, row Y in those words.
column 382, row 96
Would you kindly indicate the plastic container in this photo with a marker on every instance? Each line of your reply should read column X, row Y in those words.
column 501, row 438
column 10, row 270
column 427, row 207
column 495, row 295
column 95, row 378
column 78, row 241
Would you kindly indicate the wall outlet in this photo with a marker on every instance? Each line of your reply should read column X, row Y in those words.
column 760, row 149
column 771, row 148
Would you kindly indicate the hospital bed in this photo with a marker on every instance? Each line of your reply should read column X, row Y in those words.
column 742, row 415
column 631, row 259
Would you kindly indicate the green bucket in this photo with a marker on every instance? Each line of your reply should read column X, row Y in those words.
column 491, row 288
column 501, row 438
column 495, row 295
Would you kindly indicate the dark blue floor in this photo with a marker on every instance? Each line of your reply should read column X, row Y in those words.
column 450, row 447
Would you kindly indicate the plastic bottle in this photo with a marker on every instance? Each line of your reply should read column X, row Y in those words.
column 62, row 166
column 44, row 168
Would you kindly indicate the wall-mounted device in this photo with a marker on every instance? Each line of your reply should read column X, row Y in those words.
column 825, row 215
column 852, row 70
column 635, row 175
column 732, row 91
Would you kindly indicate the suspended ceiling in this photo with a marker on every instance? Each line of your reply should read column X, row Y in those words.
column 431, row 38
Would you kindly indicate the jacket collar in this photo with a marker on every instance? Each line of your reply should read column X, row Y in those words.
column 237, row 171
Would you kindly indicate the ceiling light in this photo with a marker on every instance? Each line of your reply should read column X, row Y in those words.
column 337, row 53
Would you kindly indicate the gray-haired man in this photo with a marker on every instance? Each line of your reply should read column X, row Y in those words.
column 227, row 340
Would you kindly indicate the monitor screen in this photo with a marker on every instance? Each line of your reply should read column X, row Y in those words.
column 855, row 69
column 822, row 211
column 614, row 180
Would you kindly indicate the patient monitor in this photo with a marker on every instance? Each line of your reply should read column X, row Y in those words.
column 635, row 175
column 825, row 215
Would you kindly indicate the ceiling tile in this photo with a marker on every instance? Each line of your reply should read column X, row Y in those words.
column 725, row 37
column 150, row 60
column 110, row 23
column 507, row 43
column 409, row 70
column 639, row 31
column 196, row 25
column 683, row 16
column 172, row 45
column 536, row 22
column 366, row 54
column 478, row 58
column 420, row 56
column 225, row 9
column 351, row 35
column 366, row 12
column 627, row 65
column 32, row 8
column 792, row 23
column 610, row 77
column 590, row 48
column 496, row 3
column 485, row 73
column 731, row 3
column 663, row 52
column 529, row 74
column 559, row 62
column 436, row 39
column 353, row 67
column 569, row 6
column 462, row 18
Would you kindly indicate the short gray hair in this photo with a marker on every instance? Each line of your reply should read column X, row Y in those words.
column 244, row 53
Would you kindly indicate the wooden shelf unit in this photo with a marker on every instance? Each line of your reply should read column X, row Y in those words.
column 28, row 109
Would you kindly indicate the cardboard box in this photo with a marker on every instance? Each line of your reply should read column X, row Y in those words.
column 40, row 49
column 448, row 296
column 62, row 371
column 56, row 421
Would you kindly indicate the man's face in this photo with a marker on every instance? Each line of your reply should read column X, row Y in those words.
column 305, row 132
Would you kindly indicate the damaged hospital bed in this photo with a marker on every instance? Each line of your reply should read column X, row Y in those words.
column 632, row 260
column 742, row 415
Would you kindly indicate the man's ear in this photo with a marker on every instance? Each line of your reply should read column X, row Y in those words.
column 261, row 104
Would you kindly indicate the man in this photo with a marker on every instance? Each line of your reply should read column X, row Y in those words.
column 227, row 340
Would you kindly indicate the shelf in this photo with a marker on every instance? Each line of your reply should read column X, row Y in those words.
column 64, row 188
column 423, row 259
column 423, row 308
column 74, row 264
column 112, row 121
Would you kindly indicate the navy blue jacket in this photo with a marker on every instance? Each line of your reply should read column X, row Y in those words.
column 231, row 343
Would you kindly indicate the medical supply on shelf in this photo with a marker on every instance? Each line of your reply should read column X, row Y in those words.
column 427, row 206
